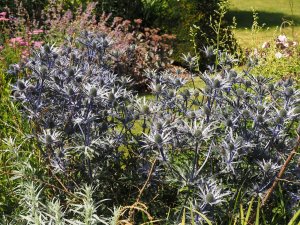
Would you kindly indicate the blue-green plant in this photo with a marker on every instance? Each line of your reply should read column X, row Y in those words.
column 233, row 134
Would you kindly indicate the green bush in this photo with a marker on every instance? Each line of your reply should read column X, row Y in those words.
column 33, row 8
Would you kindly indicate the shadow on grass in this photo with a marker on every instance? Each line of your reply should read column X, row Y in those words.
column 244, row 19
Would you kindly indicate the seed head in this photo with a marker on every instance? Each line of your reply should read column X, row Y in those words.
column 271, row 87
column 246, row 113
column 71, row 92
column 283, row 113
column 71, row 72
column 279, row 120
column 158, row 139
column 232, row 74
column 48, row 139
column 192, row 115
column 209, row 197
column 198, row 133
column 47, row 48
column 111, row 97
column 57, row 80
column 177, row 82
column 289, row 91
column 145, row 109
column 43, row 70
column 171, row 94
column 21, row 85
column 259, row 118
column 240, row 92
column 217, row 83
column 231, row 146
column 207, row 89
column 206, row 110
column 288, row 82
column 267, row 166
column 229, row 123
column 93, row 92
column 260, row 109
column 248, row 84
column 186, row 94
column 158, row 88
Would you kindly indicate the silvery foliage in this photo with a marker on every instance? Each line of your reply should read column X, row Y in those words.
column 82, row 208
column 232, row 134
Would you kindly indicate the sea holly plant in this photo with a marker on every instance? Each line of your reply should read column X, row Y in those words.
column 208, row 144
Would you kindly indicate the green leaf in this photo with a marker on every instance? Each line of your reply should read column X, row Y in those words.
column 295, row 217
column 192, row 215
column 249, row 211
column 203, row 216
column 242, row 214
column 257, row 212
column 183, row 217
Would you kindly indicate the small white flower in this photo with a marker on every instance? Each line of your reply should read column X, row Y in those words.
column 265, row 45
column 278, row 55
column 255, row 52
column 282, row 38
column 285, row 44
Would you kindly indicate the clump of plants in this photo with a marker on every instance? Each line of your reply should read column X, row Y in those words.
column 279, row 59
column 197, row 153
column 18, row 36
column 133, row 48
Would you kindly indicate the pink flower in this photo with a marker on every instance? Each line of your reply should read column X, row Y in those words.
column 37, row 44
column 126, row 23
column 3, row 14
column 23, row 43
column 282, row 38
column 25, row 54
column 138, row 21
column 1, row 48
column 36, row 31
column 16, row 39
column 3, row 19
column 255, row 52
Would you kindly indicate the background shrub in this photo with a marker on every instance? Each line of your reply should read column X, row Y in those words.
column 168, row 15
column 133, row 48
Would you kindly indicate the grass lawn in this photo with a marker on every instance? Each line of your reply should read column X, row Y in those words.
column 271, row 13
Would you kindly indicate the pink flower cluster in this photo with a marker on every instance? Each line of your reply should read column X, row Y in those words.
column 283, row 45
column 18, row 41
column 35, row 32
column 3, row 16
column 21, row 42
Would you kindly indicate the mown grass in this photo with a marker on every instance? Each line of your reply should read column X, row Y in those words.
column 272, row 14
